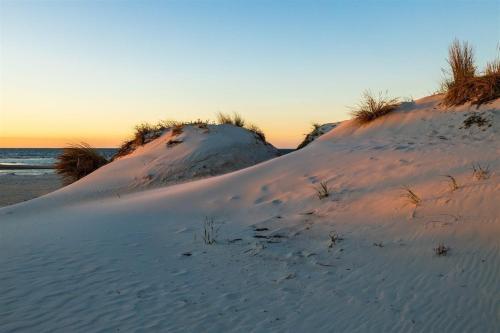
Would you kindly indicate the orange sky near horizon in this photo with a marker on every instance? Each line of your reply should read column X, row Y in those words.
column 73, row 71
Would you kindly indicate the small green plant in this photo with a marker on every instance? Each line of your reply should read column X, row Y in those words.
column 453, row 183
column 480, row 172
column 441, row 250
column 323, row 191
column 372, row 107
column 411, row 196
column 210, row 231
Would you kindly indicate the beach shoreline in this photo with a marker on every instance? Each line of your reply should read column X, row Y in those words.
column 16, row 188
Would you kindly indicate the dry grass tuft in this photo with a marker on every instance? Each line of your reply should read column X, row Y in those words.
column 177, row 129
column 480, row 172
column 77, row 161
column 477, row 91
column 146, row 132
column 257, row 131
column 334, row 238
column 224, row 119
column 464, row 85
column 371, row 107
column 311, row 136
column 461, row 61
column 210, row 231
column 441, row 250
column 323, row 191
column 411, row 195
column 453, row 183
column 492, row 67
column 236, row 119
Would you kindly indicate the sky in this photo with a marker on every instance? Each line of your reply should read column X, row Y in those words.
column 88, row 70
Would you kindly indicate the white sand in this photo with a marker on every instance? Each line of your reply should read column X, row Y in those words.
column 86, row 259
column 19, row 188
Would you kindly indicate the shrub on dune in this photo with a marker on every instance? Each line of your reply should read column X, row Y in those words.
column 372, row 107
column 464, row 85
column 77, row 161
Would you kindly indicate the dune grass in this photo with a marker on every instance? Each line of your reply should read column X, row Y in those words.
column 463, row 84
column 77, row 161
column 237, row 120
column 372, row 107
column 226, row 119
column 493, row 67
column 480, row 172
column 441, row 250
column 410, row 195
column 322, row 191
column 257, row 131
column 145, row 132
column 452, row 182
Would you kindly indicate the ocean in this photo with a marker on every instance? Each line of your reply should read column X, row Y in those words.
column 18, row 161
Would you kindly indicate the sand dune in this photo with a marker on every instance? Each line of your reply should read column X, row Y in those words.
column 91, row 257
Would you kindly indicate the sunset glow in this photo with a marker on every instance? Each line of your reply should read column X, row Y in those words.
column 91, row 70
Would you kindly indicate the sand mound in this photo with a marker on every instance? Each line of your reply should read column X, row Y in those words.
column 172, row 158
column 97, row 263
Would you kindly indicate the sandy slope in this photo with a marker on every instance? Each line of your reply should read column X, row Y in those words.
column 72, row 262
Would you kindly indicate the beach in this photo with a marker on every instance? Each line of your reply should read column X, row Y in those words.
column 16, row 188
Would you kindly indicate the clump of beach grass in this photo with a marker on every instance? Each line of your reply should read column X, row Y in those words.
column 480, row 172
column 77, row 161
column 257, row 131
column 463, row 84
column 441, row 250
column 226, row 119
column 372, row 107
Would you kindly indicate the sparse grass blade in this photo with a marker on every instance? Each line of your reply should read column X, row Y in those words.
column 323, row 191
column 411, row 195
column 453, row 182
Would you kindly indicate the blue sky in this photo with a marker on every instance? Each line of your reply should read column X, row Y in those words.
column 91, row 70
